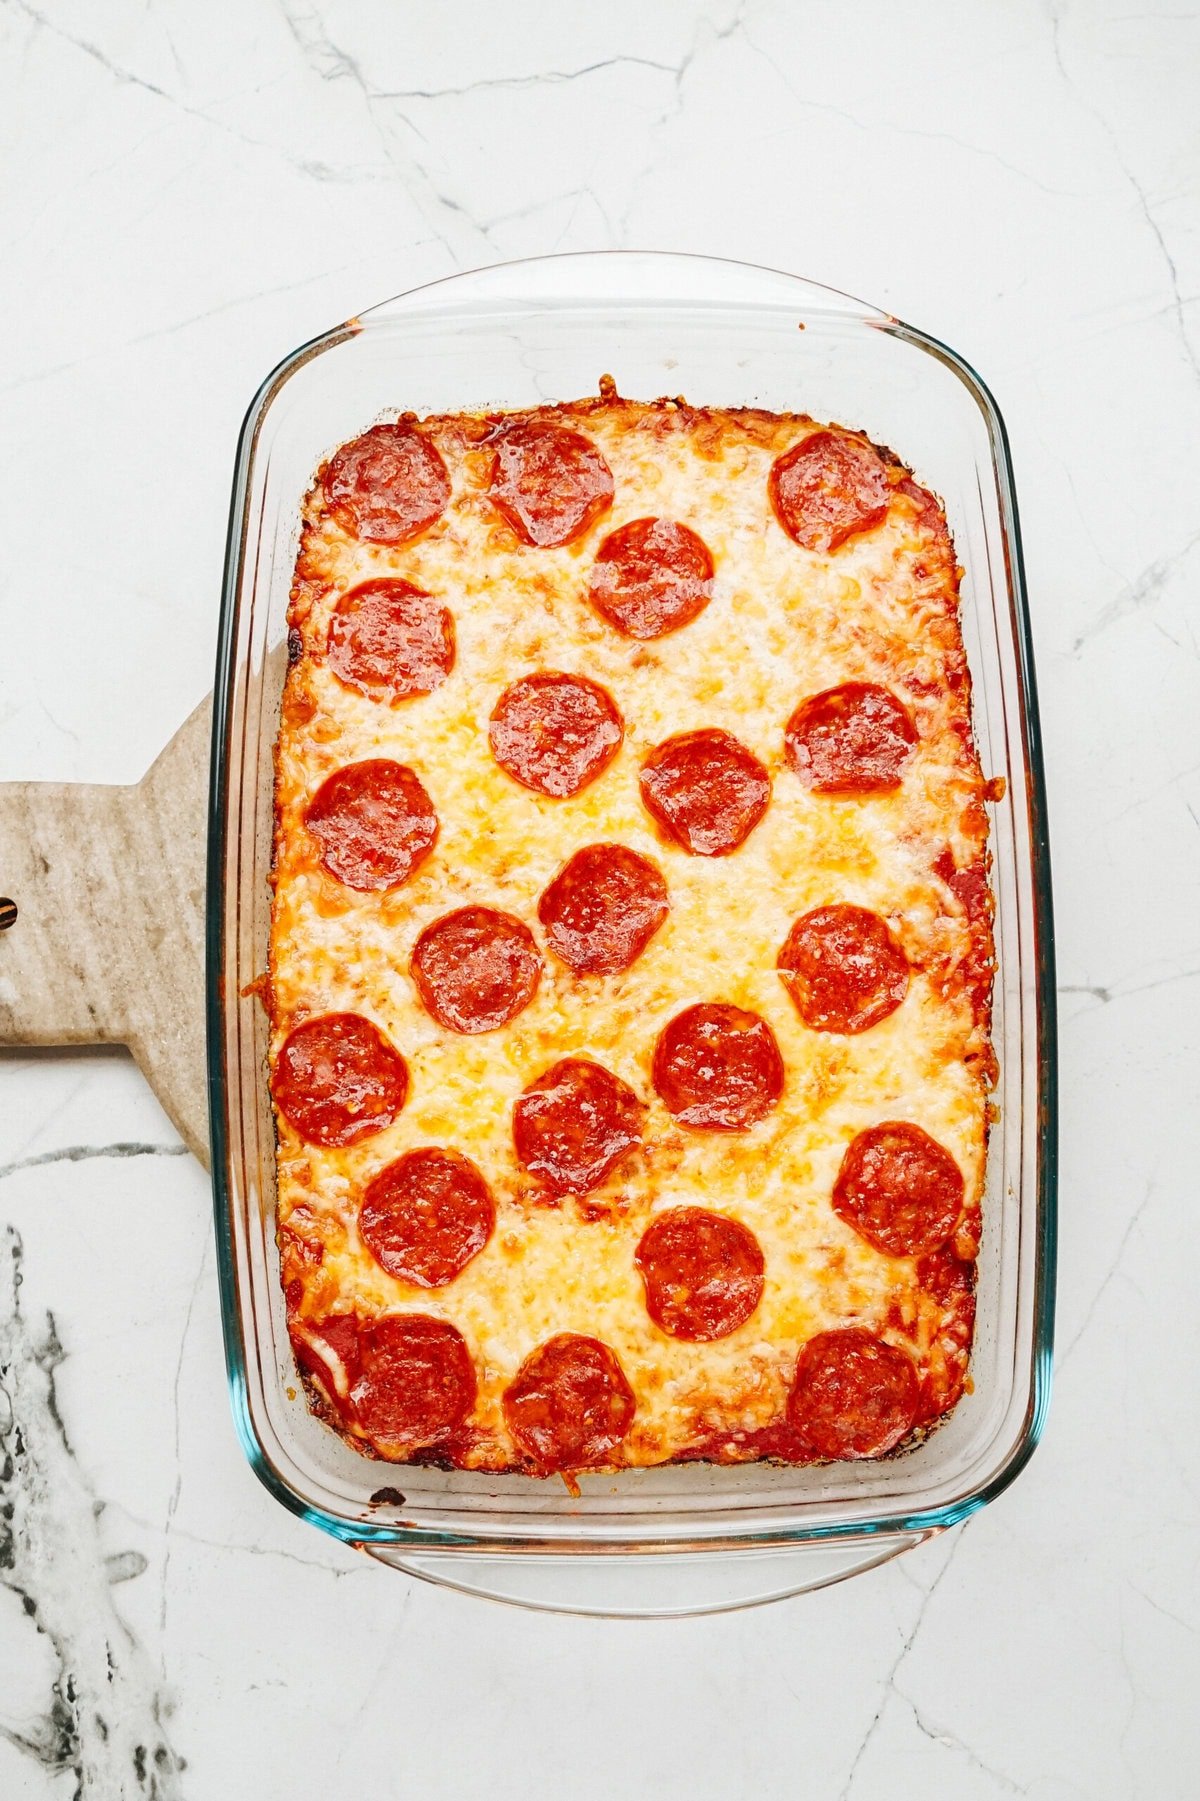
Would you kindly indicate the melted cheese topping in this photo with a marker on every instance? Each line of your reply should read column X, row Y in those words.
column 783, row 623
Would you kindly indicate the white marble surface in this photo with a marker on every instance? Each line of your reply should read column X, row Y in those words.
column 190, row 189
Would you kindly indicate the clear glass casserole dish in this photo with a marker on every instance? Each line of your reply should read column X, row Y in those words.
column 692, row 1537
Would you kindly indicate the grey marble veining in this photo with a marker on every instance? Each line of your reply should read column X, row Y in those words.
column 105, row 1719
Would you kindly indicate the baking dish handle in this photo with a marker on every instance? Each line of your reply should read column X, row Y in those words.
column 643, row 1585
column 604, row 277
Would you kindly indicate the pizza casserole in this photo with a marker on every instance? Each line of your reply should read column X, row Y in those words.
column 631, row 952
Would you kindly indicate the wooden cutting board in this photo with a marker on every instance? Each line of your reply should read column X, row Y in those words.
column 108, row 942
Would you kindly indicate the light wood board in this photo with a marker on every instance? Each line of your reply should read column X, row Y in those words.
column 108, row 944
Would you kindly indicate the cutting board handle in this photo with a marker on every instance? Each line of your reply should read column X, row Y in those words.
column 107, row 946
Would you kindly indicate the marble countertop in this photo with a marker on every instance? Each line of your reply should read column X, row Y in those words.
column 191, row 190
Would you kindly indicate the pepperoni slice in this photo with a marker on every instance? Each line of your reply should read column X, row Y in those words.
column 827, row 488
column 327, row 1351
column 388, row 485
column 968, row 885
column 899, row 1189
column 950, row 1282
column 718, row 1068
column 417, row 1382
column 843, row 968
column 549, row 483
column 425, row 1216
column 574, row 1123
column 569, row 1405
column 337, row 1079
column 948, row 1278
column 854, row 1394
column 602, row 909
column 374, row 822
column 390, row 640
column 707, row 791
column 854, row 739
column 555, row 733
column 927, row 507
column 476, row 969
column 651, row 577
column 703, row 1272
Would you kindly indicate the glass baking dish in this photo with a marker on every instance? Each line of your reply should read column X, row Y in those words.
column 693, row 1537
